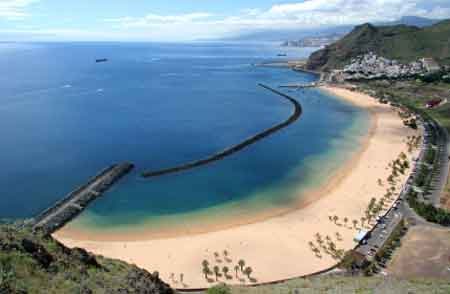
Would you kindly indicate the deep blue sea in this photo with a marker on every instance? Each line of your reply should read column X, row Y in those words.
column 65, row 117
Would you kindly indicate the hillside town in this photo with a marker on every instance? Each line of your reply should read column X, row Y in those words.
column 371, row 66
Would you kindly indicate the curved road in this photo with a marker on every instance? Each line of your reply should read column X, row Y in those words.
column 234, row 148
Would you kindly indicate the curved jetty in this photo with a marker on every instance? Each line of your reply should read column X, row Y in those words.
column 235, row 148
column 75, row 202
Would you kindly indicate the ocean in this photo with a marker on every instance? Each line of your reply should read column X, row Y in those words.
column 65, row 117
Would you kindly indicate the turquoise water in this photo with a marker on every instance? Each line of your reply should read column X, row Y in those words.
column 157, row 105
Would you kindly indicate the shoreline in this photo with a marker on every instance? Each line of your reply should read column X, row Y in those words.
column 197, row 226
column 270, row 245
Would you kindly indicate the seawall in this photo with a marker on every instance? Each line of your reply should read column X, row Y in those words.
column 76, row 201
column 237, row 147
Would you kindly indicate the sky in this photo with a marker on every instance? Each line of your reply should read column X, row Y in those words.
column 185, row 20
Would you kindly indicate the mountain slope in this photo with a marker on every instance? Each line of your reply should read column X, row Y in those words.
column 401, row 42
column 32, row 263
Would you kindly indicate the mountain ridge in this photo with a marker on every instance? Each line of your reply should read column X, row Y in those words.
column 400, row 42
column 274, row 35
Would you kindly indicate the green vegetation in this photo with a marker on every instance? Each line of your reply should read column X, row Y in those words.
column 413, row 94
column 428, row 211
column 33, row 263
column 360, row 285
column 400, row 42
column 219, row 289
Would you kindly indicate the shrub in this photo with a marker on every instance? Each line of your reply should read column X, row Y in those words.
column 429, row 212
column 219, row 289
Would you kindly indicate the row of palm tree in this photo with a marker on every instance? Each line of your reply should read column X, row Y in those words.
column 398, row 166
column 327, row 245
column 216, row 270
column 345, row 220
column 413, row 143
column 225, row 254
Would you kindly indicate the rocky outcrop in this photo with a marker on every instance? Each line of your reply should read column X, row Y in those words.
column 35, row 263
column 38, row 252
column 85, row 257
column 145, row 283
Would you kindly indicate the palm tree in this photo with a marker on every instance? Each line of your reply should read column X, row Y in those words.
column 340, row 254
column 311, row 244
column 345, row 220
column 328, row 238
column 363, row 220
column 236, row 269
column 225, row 271
column 225, row 253
column 206, row 272
column 388, row 195
column 316, row 251
column 248, row 271
column 205, row 263
column 335, row 218
column 216, row 271
column 216, row 255
column 338, row 236
column 241, row 264
column 355, row 223
column 319, row 239
column 332, row 247
column 330, row 218
column 391, row 179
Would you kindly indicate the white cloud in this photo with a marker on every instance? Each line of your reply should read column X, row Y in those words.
column 155, row 19
column 14, row 9
column 197, row 25
column 307, row 14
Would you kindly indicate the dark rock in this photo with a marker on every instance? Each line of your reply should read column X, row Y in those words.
column 38, row 252
column 143, row 282
column 85, row 257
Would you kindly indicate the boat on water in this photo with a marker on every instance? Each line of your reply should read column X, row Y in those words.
column 101, row 60
column 281, row 54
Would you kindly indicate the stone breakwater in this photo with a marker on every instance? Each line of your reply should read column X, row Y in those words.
column 237, row 147
column 75, row 202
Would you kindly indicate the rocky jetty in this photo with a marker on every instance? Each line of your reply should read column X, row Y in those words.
column 237, row 147
column 75, row 202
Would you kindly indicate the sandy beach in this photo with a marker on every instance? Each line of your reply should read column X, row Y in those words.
column 277, row 247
